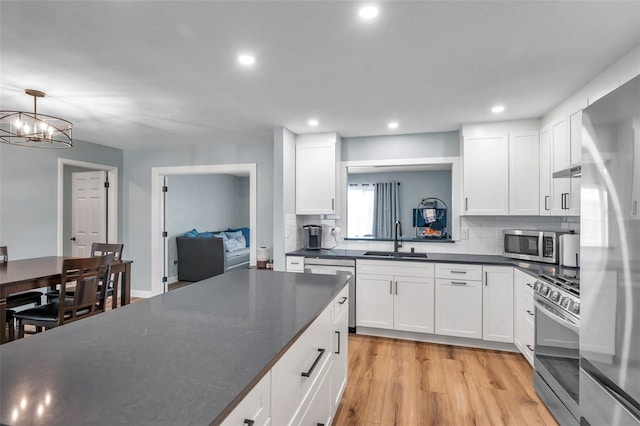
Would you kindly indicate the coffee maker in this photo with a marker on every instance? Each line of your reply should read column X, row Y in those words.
column 312, row 237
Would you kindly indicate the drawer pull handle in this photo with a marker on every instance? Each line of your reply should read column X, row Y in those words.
column 529, row 285
column 529, row 312
column 344, row 299
column 458, row 272
column 315, row 363
column 390, row 287
column 295, row 263
column 338, row 351
column 458, row 282
column 319, row 424
column 530, row 348
column 248, row 422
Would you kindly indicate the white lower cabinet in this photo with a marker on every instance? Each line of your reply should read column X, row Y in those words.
column 255, row 408
column 395, row 295
column 529, row 318
column 301, row 387
column 523, row 313
column 459, row 308
column 497, row 304
column 340, row 348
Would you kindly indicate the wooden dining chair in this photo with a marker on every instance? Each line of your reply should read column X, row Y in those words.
column 99, row 249
column 19, row 299
column 102, row 249
column 85, row 274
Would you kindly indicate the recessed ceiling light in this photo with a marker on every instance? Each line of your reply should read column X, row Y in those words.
column 497, row 109
column 246, row 59
column 393, row 125
column 313, row 122
column 368, row 12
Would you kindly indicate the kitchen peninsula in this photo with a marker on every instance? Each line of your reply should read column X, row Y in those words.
column 185, row 357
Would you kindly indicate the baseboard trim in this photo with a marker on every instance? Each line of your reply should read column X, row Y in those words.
column 142, row 294
column 173, row 279
column 436, row 338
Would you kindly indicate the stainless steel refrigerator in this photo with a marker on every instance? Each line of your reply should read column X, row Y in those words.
column 610, row 267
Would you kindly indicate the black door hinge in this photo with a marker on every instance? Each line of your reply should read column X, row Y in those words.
column 165, row 188
column 164, row 234
column 164, row 279
column 106, row 184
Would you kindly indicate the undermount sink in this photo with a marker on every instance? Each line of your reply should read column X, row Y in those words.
column 395, row 254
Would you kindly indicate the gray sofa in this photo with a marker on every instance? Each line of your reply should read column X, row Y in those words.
column 200, row 258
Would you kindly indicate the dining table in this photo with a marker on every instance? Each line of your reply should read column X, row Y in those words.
column 40, row 272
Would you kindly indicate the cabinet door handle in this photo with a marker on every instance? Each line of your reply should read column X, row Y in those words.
column 248, row 422
column 458, row 283
column 567, row 201
column 562, row 201
column 338, row 351
column 344, row 299
column 396, row 287
column 319, row 424
column 529, row 285
column 390, row 287
column 486, row 279
column 466, row 203
column 333, row 204
column 458, row 272
column 530, row 348
column 546, row 202
column 529, row 312
column 315, row 363
column 635, row 208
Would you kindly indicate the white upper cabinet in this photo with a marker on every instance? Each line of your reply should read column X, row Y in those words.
column 501, row 168
column 566, row 142
column 317, row 159
column 486, row 174
column 524, row 173
column 545, row 172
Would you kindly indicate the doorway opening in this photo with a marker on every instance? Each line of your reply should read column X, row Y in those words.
column 108, row 212
column 160, row 261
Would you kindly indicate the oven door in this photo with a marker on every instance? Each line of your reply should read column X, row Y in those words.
column 556, row 360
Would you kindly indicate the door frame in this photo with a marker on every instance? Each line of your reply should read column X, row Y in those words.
column 157, row 211
column 112, row 196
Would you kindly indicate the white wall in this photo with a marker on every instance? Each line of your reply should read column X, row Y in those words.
column 29, row 194
column 285, row 222
column 206, row 203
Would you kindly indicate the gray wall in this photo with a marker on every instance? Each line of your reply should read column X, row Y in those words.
column 443, row 144
column 137, row 194
column 204, row 202
column 29, row 194
column 413, row 187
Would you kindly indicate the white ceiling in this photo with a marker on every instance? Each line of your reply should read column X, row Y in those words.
column 147, row 74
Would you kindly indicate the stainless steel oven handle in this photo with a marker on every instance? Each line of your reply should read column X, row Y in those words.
column 544, row 308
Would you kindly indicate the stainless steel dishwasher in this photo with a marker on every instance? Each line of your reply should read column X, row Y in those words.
column 328, row 266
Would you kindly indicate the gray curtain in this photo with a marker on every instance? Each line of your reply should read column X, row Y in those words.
column 386, row 209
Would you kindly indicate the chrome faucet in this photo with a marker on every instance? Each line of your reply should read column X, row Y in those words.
column 398, row 234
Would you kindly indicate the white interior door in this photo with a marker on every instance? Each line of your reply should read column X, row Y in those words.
column 89, row 215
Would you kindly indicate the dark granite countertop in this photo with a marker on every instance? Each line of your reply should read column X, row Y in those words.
column 184, row 357
column 536, row 268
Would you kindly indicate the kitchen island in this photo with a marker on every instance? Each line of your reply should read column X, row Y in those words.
column 184, row 357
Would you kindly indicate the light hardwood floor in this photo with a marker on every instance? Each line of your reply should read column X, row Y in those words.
column 397, row 382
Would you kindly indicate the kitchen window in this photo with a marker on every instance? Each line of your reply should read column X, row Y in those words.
column 360, row 199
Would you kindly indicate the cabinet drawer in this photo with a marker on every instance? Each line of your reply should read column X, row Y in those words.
column 256, row 406
column 394, row 267
column 529, row 341
column 529, row 282
column 296, row 372
column 459, row 271
column 341, row 304
column 295, row 264
column 318, row 409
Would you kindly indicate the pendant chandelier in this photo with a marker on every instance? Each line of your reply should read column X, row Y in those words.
column 33, row 129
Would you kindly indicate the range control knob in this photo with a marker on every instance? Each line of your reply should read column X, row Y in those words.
column 555, row 296
column 575, row 308
column 544, row 290
column 565, row 302
column 537, row 286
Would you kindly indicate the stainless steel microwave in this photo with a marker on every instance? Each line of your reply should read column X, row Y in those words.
column 536, row 246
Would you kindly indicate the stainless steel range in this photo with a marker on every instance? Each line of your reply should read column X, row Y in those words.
column 556, row 359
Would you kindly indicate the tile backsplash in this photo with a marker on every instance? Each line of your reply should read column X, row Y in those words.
column 485, row 234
